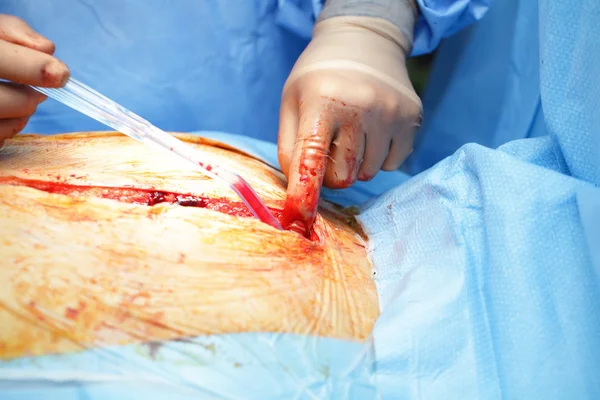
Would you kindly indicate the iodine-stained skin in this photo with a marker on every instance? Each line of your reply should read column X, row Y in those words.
column 108, row 242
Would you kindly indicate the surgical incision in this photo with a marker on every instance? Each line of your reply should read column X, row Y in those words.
column 145, row 197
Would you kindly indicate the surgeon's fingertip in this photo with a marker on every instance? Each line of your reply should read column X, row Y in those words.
column 40, row 97
column 365, row 176
column 44, row 45
column 13, row 126
column 301, row 203
column 54, row 74
column 336, row 182
column 17, row 31
column 297, row 226
column 394, row 163
column 389, row 166
column 367, row 171
column 21, row 123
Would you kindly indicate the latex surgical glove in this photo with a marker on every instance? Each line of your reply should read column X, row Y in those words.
column 26, row 58
column 348, row 111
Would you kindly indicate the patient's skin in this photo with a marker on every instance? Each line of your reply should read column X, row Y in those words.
column 108, row 242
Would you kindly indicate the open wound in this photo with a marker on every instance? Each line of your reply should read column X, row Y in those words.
column 146, row 197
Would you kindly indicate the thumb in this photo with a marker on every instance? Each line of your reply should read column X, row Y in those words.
column 307, row 169
column 17, row 31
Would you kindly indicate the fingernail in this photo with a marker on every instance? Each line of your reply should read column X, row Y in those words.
column 46, row 45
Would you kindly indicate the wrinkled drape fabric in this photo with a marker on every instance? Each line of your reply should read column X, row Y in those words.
column 487, row 262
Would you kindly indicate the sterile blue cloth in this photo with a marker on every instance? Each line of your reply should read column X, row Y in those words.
column 487, row 263
column 237, row 366
column 488, row 277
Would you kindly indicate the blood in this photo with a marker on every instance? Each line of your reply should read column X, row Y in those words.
column 53, row 75
column 71, row 313
column 147, row 197
column 255, row 203
column 301, row 203
column 302, row 199
column 300, row 209
column 47, row 77
column 207, row 167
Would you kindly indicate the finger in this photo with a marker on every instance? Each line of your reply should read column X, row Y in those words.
column 30, row 67
column 307, row 167
column 288, row 128
column 10, row 127
column 17, row 31
column 18, row 101
column 346, row 154
column 377, row 148
column 402, row 142
column 400, row 149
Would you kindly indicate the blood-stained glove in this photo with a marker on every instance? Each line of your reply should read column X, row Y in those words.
column 25, row 59
column 348, row 111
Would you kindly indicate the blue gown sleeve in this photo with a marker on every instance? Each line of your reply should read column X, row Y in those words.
column 441, row 18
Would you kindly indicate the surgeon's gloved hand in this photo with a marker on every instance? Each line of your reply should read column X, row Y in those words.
column 348, row 111
column 25, row 59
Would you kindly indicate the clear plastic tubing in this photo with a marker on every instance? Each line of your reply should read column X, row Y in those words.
column 91, row 103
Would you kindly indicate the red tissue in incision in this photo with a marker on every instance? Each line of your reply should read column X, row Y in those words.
column 139, row 196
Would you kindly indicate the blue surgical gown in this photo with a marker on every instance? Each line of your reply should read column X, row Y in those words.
column 183, row 65
column 488, row 83
column 211, row 65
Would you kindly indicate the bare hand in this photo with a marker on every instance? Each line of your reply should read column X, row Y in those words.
column 26, row 58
